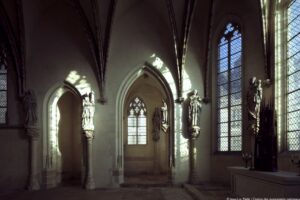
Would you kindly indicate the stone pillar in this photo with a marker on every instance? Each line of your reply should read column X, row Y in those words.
column 195, row 131
column 89, row 179
column 33, row 182
column 156, row 158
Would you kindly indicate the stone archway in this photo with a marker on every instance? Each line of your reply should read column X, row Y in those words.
column 52, row 160
column 118, row 172
column 70, row 140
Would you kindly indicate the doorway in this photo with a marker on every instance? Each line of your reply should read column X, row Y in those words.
column 69, row 138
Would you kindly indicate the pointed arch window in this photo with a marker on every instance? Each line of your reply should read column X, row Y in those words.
column 229, row 90
column 3, row 87
column 137, row 122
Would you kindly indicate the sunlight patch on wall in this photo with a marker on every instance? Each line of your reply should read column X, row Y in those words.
column 265, row 10
column 181, row 143
column 164, row 70
column 84, row 88
column 159, row 64
column 54, row 119
column 80, row 82
column 186, row 83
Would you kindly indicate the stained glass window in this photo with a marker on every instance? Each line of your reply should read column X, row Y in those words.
column 293, row 74
column 229, row 90
column 137, row 122
column 3, row 87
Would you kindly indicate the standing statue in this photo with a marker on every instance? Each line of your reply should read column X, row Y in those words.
column 30, row 108
column 164, row 110
column 156, row 120
column 254, row 98
column 164, row 118
column 88, row 111
column 194, row 112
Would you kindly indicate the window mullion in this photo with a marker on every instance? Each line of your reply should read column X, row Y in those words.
column 137, row 129
column 229, row 94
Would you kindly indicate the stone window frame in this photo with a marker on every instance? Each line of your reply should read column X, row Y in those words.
column 281, row 73
column 135, row 109
column 229, row 136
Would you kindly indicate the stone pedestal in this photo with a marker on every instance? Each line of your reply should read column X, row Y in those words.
column 89, row 179
column 156, row 158
column 33, row 179
column 194, row 133
column 193, row 158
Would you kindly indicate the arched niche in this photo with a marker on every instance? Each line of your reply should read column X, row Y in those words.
column 165, row 79
column 52, row 163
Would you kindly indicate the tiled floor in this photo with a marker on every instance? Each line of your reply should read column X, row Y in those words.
column 77, row 193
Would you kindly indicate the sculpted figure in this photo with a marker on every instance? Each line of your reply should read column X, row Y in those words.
column 164, row 110
column 194, row 109
column 254, row 98
column 30, row 108
column 88, row 111
column 156, row 120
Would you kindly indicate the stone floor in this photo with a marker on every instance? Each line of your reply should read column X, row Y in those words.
column 146, row 180
column 77, row 193
column 208, row 191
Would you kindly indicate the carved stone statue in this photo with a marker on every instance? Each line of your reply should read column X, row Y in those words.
column 254, row 98
column 164, row 119
column 156, row 120
column 88, row 111
column 164, row 110
column 30, row 108
column 194, row 112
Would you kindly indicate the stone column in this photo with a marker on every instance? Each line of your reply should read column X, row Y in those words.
column 156, row 158
column 89, row 179
column 33, row 182
column 193, row 154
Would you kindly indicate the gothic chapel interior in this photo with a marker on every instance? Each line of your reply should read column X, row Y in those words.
column 100, row 93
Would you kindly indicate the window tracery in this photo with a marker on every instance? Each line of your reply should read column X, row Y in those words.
column 229, row 90
column 137, row 122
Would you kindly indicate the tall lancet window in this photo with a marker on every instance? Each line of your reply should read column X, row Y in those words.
column 229, row 90
column 293, row 74
column 137, row 122
column 3, row 86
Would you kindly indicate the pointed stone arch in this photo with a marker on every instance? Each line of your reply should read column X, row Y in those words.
column 118, row 172
column 51, row 154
